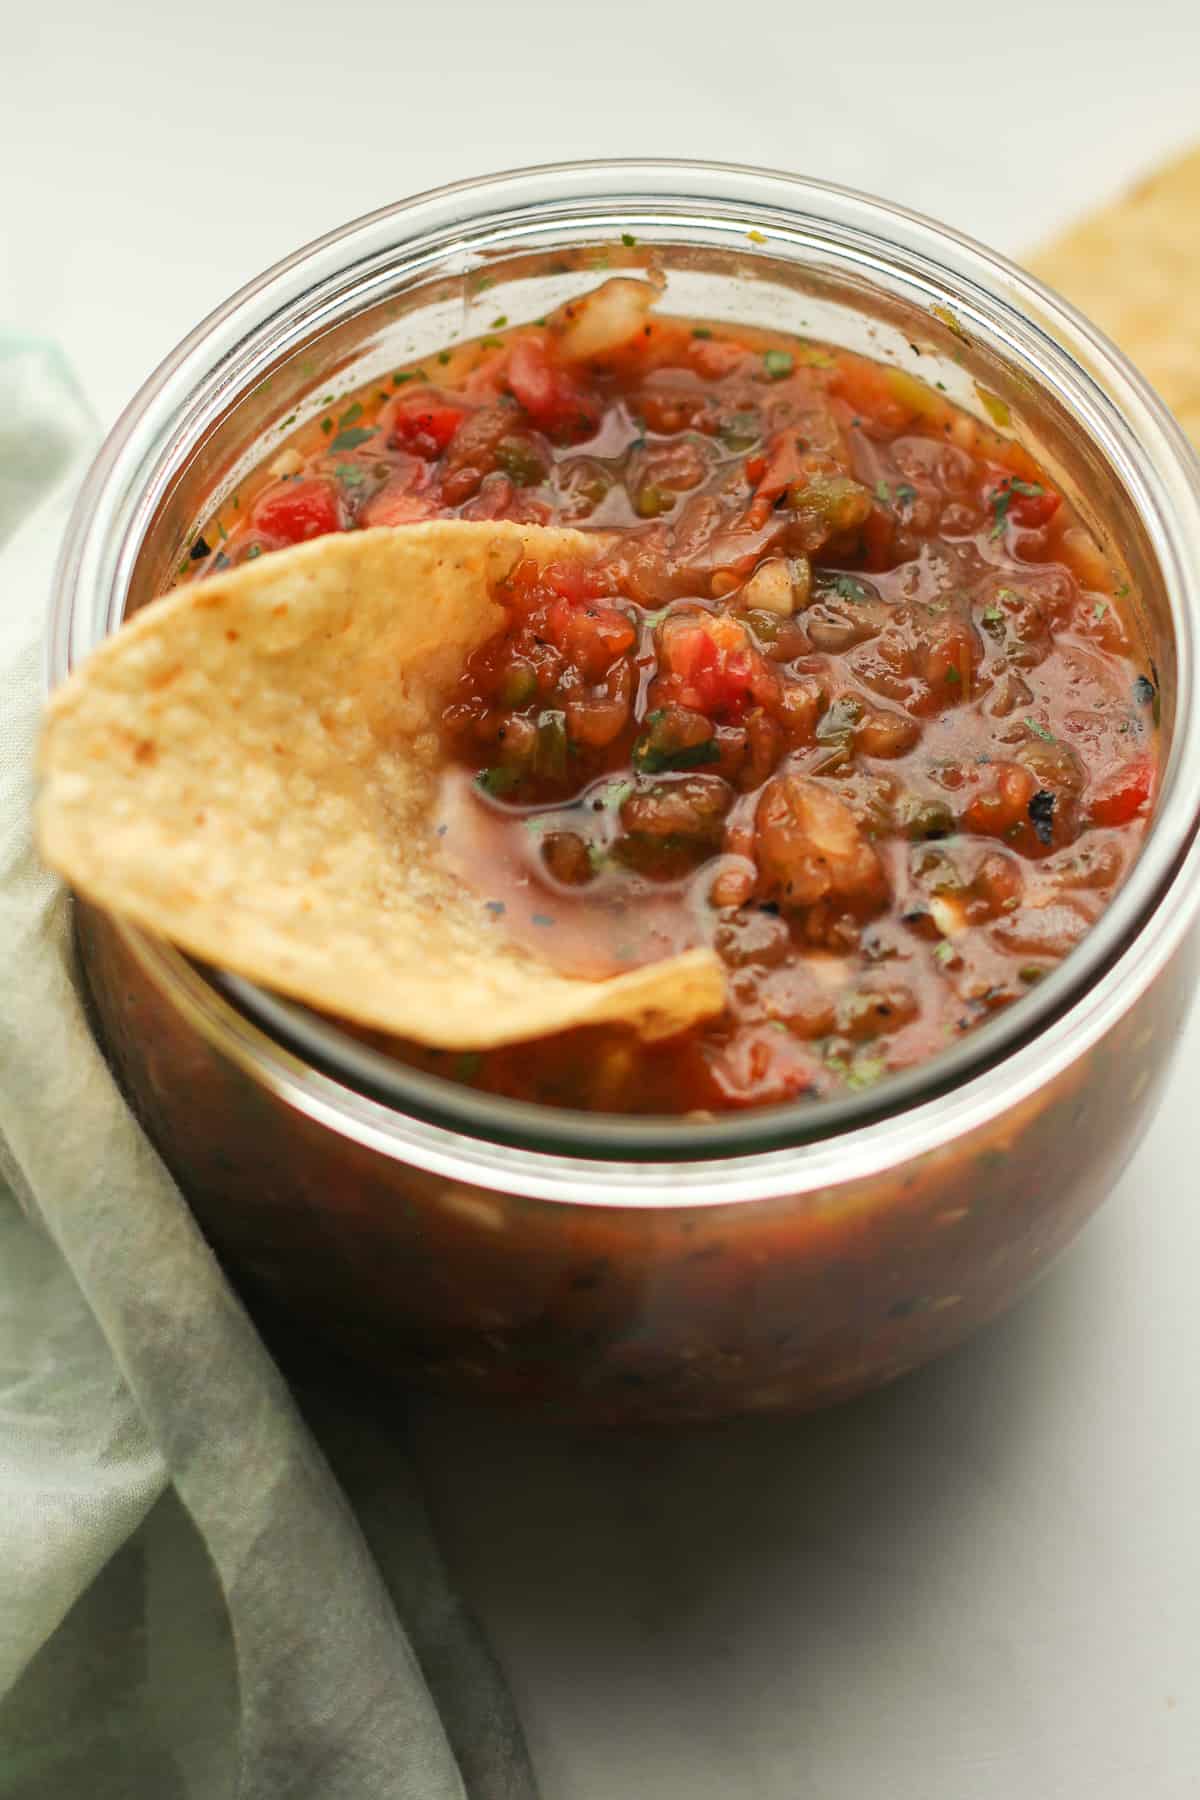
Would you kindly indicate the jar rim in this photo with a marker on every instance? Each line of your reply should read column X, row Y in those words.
column 322, row 1068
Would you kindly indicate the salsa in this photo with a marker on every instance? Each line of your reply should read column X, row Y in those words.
column 849, row 693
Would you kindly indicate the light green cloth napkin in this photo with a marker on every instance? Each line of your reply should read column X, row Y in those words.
column 127, row 1367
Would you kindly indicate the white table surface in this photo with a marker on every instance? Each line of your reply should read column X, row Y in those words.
column 985, row 1582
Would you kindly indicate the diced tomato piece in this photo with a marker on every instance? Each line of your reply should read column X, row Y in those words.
column 772, row 471
column 592, row 637
column 396, row 504
column 1000, row 804
column 709, row 665
column 783, row 465
column 878, row 536
column 423, row 422
column 293, row 511
column 1027, row 503
column 555, row 403
column 714, row 357
column 1123, row 793
column 873, row 395
column 761, row 1065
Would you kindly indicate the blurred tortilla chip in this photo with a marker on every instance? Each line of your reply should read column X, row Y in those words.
column 1134, row 269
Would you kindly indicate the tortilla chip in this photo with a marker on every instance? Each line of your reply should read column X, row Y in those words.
column 249, row 768
column 1134, row 268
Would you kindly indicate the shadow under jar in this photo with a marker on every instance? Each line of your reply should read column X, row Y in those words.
column 649, row 1268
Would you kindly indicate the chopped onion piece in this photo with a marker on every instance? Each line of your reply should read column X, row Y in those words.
column 604, row 320
column 948, row 915
column 771, row 588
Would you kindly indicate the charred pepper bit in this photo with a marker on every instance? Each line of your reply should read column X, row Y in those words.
column 1041, row 815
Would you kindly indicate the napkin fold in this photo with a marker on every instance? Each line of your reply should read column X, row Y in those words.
column 127, row 1364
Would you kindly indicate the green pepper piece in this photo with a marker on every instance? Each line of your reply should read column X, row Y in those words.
column 670, row 739
column 550, row 758
column 651, row 500
column 518, row 685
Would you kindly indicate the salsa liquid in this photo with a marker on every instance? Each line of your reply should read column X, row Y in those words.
column 849, row 693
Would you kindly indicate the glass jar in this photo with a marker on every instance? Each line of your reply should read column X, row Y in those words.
column 640, row 1268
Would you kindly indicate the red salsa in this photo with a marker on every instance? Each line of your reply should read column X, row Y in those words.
column 849, row 694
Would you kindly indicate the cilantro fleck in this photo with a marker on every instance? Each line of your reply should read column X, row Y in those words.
column 1123, row 591
column 883, row 493
column 1099, row 610
column 865, row 1072
column 701, row 331
column 290, row 420
column 993, row 614
column 628, row 239
column 350, row 440
column 499, row 322
column 1032, row 973
column 778, row 363
column 221, row 531
column 403, row 375
column 351, row 415
column 541, row 919
column 495, row 906
column 491, row 343
column 327, row 425
column 1039, row 730
column 1041, row 815
column 443, row 357
column 1000, row 502
column 905, row 494
column 253, row 551
column 349, row 474
column 847, row 587
column 945, row 951
column 483, row 282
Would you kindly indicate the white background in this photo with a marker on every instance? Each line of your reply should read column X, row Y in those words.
column 984, row 1583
